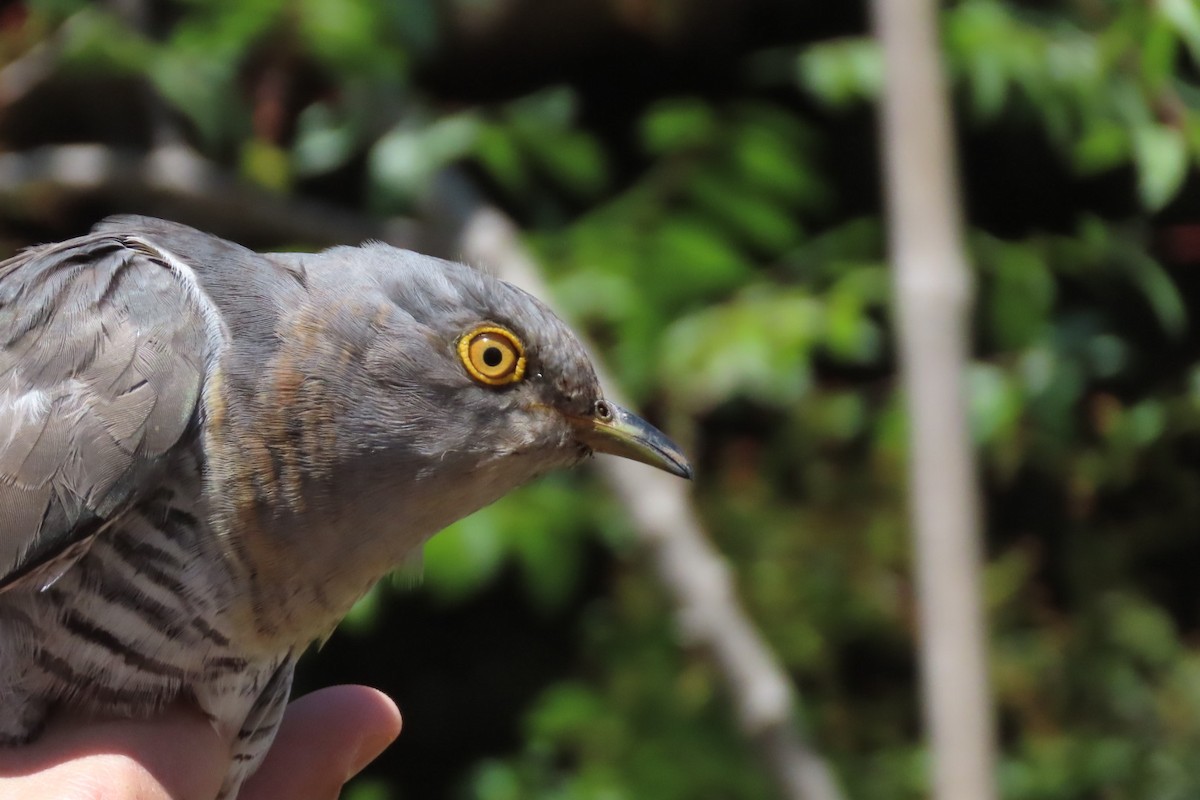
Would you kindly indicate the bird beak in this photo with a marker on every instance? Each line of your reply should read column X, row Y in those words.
column 627, row 435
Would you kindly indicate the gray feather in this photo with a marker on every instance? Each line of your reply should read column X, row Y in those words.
column 102, row 357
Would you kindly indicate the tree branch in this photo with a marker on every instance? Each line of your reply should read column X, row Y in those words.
column 175, row 182
column 693, row 573
column 933, row 294
column 27, row 71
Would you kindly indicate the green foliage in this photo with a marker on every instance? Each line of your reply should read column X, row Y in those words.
column 1105, row 88
column 533, row 137
column 842, row 72
column 541, row 528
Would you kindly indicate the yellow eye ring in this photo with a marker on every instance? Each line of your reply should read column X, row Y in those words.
column 492, row 355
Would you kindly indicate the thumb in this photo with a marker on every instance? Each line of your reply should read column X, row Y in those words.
column 326, row 738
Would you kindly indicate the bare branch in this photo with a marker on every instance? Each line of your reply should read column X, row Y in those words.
column 26, row 72
column 175, row 182
column 933, row 292
column 694, row 574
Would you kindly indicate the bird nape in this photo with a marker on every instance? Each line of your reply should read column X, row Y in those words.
column 208, row 454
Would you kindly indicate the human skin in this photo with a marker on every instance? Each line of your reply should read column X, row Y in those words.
column 326, row 738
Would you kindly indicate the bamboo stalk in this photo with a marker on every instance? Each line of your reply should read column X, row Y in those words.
column 933, row 290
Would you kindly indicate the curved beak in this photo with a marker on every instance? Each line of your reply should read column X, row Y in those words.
column 627, row 435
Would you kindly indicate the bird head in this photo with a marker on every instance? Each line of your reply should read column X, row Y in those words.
column 457, row 387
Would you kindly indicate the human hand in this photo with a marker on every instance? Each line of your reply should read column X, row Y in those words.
column 326, row 738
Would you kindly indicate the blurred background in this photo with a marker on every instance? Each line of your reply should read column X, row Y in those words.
column 699, row 181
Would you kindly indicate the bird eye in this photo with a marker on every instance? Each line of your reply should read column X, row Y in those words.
column 493, row 356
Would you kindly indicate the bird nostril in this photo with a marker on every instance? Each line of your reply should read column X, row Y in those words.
column 602, row 411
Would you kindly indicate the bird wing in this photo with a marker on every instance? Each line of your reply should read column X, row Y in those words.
column 105, row 344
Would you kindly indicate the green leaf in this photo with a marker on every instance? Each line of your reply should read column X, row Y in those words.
column 851, row 335
column 1105, row 146
column 201, row 88
column 989, row 85
column 1021, row 292
column 324, row 141
column 566, row 710
column 462, row 557
column 756, row 346
column 994, row 403
column 675, row 125
column 404, row 160
column 266, row 164
column 572, row 157
column 761, row 220
column 499, row 153
column 1107, row 355
column 842, row 72
column 367, row 789
column 495, row 780
column 1141, row 628
column 1184, row 16
column 555, row 107
column 95, row 39
column 1158, row 288
column 1160, row 153
column 774, row 162
column 351, row 35
column 1159, row 53
column 365, row 613
column 690, row 259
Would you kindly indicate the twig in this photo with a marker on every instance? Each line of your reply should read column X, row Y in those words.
column 933, row 295
column 26, row 72
column 693, row 573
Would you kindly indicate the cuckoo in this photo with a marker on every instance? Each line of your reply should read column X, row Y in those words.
column 208, row 454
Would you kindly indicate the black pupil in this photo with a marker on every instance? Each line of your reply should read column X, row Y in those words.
column 492, row 356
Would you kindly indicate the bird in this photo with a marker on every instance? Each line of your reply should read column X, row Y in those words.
column 208, row 454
